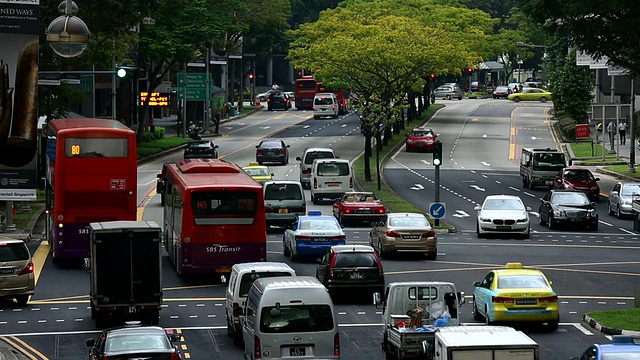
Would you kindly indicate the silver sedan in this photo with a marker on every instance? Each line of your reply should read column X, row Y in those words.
column 621, row 197
column 404, row 232
column 503, row 214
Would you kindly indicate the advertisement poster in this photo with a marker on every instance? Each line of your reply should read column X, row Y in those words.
column 19, row 48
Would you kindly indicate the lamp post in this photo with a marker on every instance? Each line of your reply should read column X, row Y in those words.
column 67, row 34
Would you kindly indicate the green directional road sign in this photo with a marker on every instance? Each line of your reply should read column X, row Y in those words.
column 193, row 94
column 196, row 86
column 174, row 89
column 194, row 80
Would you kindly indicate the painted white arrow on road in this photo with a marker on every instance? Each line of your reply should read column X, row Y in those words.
column 417, row 187
column 306, row 126
column 485, row 163
column 242, row 124
column 477, row 187
column 343, row 125
column 426, row 162
column 461, row 214
column 265, row 127
column 534, row 213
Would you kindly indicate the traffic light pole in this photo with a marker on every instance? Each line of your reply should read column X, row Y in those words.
column 437, row 161
column 437, row 195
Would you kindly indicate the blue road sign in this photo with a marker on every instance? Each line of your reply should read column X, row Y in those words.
column 437, row 210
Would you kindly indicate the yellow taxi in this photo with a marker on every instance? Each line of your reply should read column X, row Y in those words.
column 516, row 294
column 260, row 173
column 531, row 94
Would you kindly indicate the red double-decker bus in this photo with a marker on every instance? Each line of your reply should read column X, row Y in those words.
column 305, row 91
column 92, row 175
column 342, row 95
column 214, row 217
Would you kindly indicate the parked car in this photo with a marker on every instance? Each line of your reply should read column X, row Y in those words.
column 531, row 94
column 578, row 179
column 134, row 341
column 270, row 151
column 501, row 92
column 350, row 270
column 359, row 207
column 278, row 100
column 198, row 149
column 448, row 92
column 572, row 207
column 503, row 214
column 17, row 278
column 516, row 294
column 405, row 232
column 621, row 197
column 420, row 139
column 477, row 86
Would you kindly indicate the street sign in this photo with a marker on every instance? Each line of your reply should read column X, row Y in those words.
column 174, row 89
column 193, row 94
column 437, row 210
column 196, row 81
column 582, row 131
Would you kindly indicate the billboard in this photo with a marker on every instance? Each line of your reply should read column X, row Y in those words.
column 19, row 48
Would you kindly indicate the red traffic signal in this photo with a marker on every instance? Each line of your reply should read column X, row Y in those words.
column 433, row 76
column 251, row 76
column 470, row 70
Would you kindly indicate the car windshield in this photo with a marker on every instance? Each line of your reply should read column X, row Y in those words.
column 137, row 342
column 521, row 282
column 308, row 224
column 502, row 88
column 13, row 252
column 578, row 175
column 282, row 192
column 308, row 159
column 621, row 356
column 200, row 144
column 323, row 100
column 629, row 190
column 503, row 204
column 271, row 144
column 548, row 161
column 296, row 319
column 359, row 197
column 444, row 88
column 333, row 169
column 257, row 172
column 422, row 133
column 570, row 198
column 409, row 221
column 248, row 279
column 355, row 259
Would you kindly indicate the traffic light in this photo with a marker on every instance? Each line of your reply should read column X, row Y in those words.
column 433, row 76
column 437, row 153
column 470, row 70
column 121, row 72
column 251, row 77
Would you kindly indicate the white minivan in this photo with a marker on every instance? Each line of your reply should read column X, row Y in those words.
column 325, row 104
column 330, row 179
column 290, row 317
column 306, row 162
column 242, row 277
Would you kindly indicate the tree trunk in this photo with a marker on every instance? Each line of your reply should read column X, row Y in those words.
column 367, row 158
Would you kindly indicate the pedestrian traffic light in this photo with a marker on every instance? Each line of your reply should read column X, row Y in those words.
column 437, row 153
column 121, row 72
column 251, row 76
column 470, row 70
column 433, row 76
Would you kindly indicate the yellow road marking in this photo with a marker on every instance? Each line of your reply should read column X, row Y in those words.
column 474, row 119
column 47, row 302
column 39, row 258
column 24, row 348
column 512, row 151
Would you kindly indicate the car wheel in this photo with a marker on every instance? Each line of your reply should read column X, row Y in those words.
column 527, row 235
column 543, row 99
column 593, row 227
column 476, row 313
column 478, row 233
column 432, row 255
column 611, row 211
column 381, row 253
column 22, row 299
column 487, row 319
column 516, row 99
column 162, row 200
column 314, row 200
column 448, row 97
column 540, row 218
column 524, row 182
column 553, row 325
column 618, row 213
column 459, row 97
column 285, row 249
column 551, row 222
column 495, row 97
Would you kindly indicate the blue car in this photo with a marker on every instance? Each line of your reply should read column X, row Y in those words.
column 622, row 347
column 312, row 235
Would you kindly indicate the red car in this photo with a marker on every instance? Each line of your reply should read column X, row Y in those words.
column 501, row 92
column 578, row 179
column 420, row 139
column 359, row 207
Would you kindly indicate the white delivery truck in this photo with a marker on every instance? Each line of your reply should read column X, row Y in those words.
column 480, row 343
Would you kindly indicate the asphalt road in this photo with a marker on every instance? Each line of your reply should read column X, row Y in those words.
column 589, row 270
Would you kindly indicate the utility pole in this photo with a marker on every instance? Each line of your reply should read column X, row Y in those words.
column 437, row 161
column 184, row 101
column 208, row 92
column 632, row 129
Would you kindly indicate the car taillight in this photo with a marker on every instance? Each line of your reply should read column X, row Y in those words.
column 259, row 152
column 257, row 354
column 501, row 300
column 380, row 271
column 347, row 211
column 332, row 265
column 306, row 171
column 336, row 345
column 548, row 299
column 268, row 100
column 392, row 234
column 27, row 269
column 281, row 151
column 237, row 310
column 381, row 211
column 315, row 183
column 431, row 233
column 333, row 107
column 175, row 356
column 105, row 357
column 187, row 150
column 302, row 210
column 314, row 107
column 339, row 238
column 303, row 238
column 269, row 210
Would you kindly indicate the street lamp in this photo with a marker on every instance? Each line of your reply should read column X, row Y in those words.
column 524, row 45
column 67, row 34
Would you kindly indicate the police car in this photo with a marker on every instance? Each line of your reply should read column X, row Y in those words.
column 312, row 235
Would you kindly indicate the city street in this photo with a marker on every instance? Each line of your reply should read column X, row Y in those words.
column 590, row 271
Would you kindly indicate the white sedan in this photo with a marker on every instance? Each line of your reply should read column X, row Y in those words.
column 312, row 235
column 503, row 214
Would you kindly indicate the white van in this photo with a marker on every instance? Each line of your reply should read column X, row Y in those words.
column 242, row 277
column 306, row 161
column 289, row 317
column 325, row 104
column 330, row 179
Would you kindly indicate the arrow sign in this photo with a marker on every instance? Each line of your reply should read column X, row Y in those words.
column 426, row 162
column 417, row 187
column 460, row 214
column 264, row 127
column 437, row 210
column 476, row 187
column 485, row 163
column 343, row 125
column 306, row 126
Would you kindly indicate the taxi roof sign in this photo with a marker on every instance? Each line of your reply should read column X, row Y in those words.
column 314, row 213
column 253, row 163
column 514, row 265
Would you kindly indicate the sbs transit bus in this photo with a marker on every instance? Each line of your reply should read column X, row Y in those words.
column 92, row 176
column 305, row 91
column 214, row 217
column 342, row 94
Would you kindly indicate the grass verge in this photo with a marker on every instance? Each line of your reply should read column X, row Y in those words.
column 621, row 319
column 156, row 146
column 622, row 170
column 584, row 149
column 391, row 200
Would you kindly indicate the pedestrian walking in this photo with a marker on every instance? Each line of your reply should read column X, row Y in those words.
column 611, row 130
column 622, row 129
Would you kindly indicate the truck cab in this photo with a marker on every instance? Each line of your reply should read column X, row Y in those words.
column 540, row 167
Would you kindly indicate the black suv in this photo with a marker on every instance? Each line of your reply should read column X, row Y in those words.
column 350, row 269
column 199, row 149
column 278, row 100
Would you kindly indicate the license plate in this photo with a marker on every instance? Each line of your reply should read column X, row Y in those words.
column 321, row 239
column 324, row 109
column 133, row 309
column 223, row 270
column 526, row 301
column 297, row 352
column 355, row 275
column 548, row 182
column 6, row 271
column 503, row 227
column 333, row 184
column 411, row 237
column 283, row 211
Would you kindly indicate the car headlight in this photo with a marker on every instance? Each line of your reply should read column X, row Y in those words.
column 594, row 188
column 625, row 201
column 558, row 212
column 522, row 220
column 484, row 219
column 592, row 213
column 409, row 141
column 429, row 142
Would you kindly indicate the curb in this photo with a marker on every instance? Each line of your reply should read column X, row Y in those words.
column 587, row 320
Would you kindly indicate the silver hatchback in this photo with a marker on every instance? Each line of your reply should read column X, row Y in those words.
column 621, row 197
column 448, row 91
column 17, row 278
